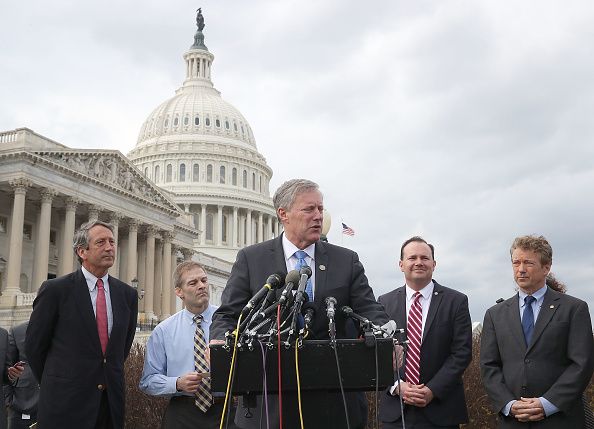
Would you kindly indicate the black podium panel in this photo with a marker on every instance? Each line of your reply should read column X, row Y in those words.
column 317, row 367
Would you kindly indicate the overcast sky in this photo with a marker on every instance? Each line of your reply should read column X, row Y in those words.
column 466, row 122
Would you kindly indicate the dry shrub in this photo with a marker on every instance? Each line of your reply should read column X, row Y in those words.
column 142, row 410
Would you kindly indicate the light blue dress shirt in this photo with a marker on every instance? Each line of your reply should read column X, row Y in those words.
column 92, row 284
column 170, row 352
column 548, row 407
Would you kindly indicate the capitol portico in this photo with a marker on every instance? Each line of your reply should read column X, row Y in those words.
column 194, row 186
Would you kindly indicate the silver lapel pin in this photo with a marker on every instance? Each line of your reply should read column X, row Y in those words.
column 322, row 267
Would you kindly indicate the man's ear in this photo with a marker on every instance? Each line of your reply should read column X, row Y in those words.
column 179, row 293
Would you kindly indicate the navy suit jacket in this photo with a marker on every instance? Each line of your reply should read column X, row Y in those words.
column 65, row 354
column 339, row 274
column 557, row 365
column 446, row 351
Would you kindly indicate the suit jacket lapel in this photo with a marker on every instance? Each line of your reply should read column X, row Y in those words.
column 321, row 277
column 515, row 326
column 547, row 310
column 84, row 305
column 433, row 307
column 117, row 299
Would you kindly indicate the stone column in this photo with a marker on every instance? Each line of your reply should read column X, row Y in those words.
column 234, row 228
column 260, row 227
column 42, row 243
column 276, row 226
column 149, row 288
column 203, row 224
column 141, row 269
column 115, row 221
column 173, row 296
column 167, row 282
column 220, row 224
column 132, row 250
column 66, row 264
column 158, row 279
column 269, row 227
column 248, row 227
column 94, row 212
column 15, row 251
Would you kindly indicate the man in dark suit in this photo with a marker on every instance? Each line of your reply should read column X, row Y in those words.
column 337, row 272
column 430, row 383
column 23, row 392
column 79, row 335
column 537, row 347
column 3, row 350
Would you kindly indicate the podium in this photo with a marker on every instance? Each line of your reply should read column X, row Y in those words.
column 317, row 366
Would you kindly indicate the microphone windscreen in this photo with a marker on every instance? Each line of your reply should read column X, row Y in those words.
column 292, row 277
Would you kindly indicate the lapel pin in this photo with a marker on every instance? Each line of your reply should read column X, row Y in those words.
column 435, row 293
column 552, row 306
column 322, row 267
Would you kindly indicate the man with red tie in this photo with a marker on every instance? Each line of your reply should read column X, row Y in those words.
column 439, row 334
column 79, row 335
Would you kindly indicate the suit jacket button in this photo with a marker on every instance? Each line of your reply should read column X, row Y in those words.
column 104, row 360
column 100, row 387
column 527, row 361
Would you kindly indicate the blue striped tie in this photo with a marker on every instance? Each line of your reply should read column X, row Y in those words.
column 301, row 262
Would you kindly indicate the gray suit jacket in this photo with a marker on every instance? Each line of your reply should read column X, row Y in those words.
column 24, row 393
column 557, row 365
column 339, row 274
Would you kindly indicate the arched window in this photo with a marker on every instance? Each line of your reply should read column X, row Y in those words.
column 195, row 173
column 209, row 226
column 186, row 120
column 234, row 176
column 217, row 123
column 260, row 185
column 182, row 172
column 244, row 178
column 207, row 121
column 169, row 173
column 209, row 173
column 145, row 171
column 235, row 126
column 166, row 122
column 224, row 229
column 157, row 173
column 222, row 174
column 197, row 120
column 226, row 125
column 175, row 121
column 253, row 181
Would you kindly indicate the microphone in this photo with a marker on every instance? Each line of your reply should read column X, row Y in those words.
column 348, row 312
column 387, row 329
column 305, row 274
column 290, row 281
column 309, row 311
column 272, row 282
column 330, row 304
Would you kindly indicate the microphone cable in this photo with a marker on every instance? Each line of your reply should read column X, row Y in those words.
column 265, row 386
column 231, row 373
column 346, row 410
column 298, row 384
column 280, row 378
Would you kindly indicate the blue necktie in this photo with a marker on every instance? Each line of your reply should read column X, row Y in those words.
column 300, row 255
column 528, row 319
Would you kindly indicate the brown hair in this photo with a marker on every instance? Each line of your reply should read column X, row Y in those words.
column 183, row 268
column 419, row 240
column 538, row 245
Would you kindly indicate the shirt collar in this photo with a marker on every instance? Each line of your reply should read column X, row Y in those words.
column 92, row 280
column 290, row 249
column 206, row 314
column 425, row 292
column 539, row 295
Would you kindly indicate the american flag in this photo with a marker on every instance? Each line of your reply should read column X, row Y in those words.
column 347, row 230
